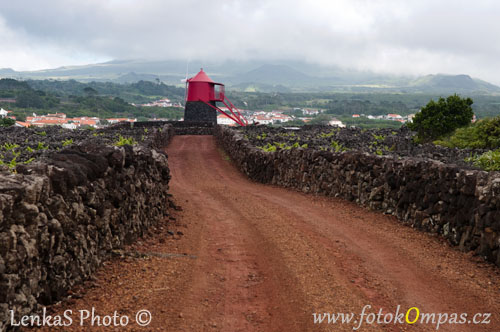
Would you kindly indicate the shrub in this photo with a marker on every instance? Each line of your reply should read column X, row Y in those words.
column 7, row 122
column 485, row 134
column 442, row 117
column 489, row 161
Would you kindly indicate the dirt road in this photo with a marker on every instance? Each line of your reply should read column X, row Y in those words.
column 252, row 257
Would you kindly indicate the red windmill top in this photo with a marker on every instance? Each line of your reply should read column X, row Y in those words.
column 201, row 77
column 203, row 88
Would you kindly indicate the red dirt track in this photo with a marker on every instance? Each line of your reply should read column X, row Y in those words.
column 263, row 258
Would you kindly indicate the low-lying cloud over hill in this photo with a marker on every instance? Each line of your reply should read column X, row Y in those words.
column 387, row 36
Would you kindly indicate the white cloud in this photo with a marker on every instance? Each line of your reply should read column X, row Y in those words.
column 20, row 51
column 414, row 37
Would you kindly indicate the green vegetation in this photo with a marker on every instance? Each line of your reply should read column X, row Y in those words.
column 366, row 123
column 36, row 99
column 6, row 122
column 125, row 141
column 484, row 134
column 9, row 146
column 321, row 119
column 337, row 147
column 139, row 93
column 109, row 100
column 442, row 117
column 344, row 104
column 329, row 134
column 41, row 146
column 268, row 147
column 336, row 103
column 67, row 142
column 9, row 154
column 488, row 161
column 103, row 100
column 283, row 146
column 9, row 84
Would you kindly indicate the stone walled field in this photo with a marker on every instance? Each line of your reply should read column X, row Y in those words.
column 68, row 199
column 427, row 187
column 390, row 142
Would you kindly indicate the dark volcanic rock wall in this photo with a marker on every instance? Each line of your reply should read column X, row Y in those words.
column 460, row 204
column 178, row 127
column 193, row 128
column 61, row 216
column 198, row 111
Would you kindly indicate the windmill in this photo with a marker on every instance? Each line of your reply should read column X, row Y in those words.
column 201, row 101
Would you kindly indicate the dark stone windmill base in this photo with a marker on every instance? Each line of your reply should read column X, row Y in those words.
column 198, row 111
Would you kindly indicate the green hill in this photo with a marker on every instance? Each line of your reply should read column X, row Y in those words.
column 451, row 83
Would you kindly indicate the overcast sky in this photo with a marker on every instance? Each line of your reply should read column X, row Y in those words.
column 389, row 36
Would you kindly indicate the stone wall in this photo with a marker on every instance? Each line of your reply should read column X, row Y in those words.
column 198, row 111
column 178, row 127
column 193, row 128
column 61, row 216
column 461, row 205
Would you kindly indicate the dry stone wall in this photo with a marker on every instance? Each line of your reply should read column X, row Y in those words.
column 463, row 205
column 178, row 127
column 61, row 216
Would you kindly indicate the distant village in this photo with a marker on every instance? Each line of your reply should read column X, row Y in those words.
column 62, row 120
column 261, row 117
column 278, row 117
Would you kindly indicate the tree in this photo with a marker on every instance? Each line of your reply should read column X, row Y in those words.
column 90, row 92
column 7, row 122
column 321, row 119
column 442, row 117
column 29, row 98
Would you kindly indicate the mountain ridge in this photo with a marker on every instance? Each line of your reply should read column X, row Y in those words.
column 262, row 76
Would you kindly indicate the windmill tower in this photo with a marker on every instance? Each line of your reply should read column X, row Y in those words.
column 202, row 95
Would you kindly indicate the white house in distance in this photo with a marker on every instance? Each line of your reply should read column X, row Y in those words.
column 224, row 120
column 337, row 123
column 394, row 117
column 116, row 120
column 262, row 119
column 310, row 112
column 159, row 103
column 3, row 113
